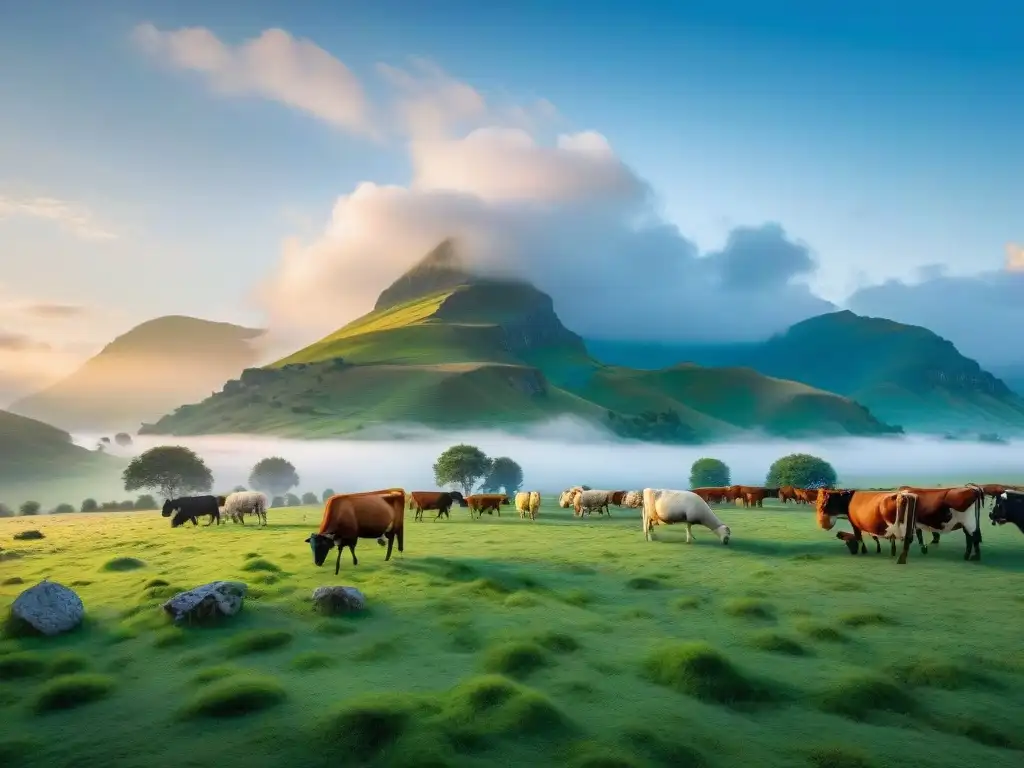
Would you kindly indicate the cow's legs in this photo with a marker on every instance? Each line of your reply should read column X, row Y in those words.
column 973, row 545
column 689, row 534
column 920, row 540
column 391, row 543
column 892, row 547
column 400, row 535
column 352, row 548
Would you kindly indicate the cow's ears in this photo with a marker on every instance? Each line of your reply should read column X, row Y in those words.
column 308, row 539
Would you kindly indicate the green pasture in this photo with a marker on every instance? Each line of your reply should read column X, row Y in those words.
column 504, row 642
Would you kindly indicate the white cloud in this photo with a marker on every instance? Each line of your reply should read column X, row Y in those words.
column 71, row 217
column 274, row 65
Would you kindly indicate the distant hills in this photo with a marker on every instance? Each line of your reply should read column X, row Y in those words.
column 903, row 374
column 445, row 348
column 143, row 374
column 31, row 450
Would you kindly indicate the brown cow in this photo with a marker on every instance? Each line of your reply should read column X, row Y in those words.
column 941, row 510
column 438, row 500
column 883, row 514
column 754, row 497
column 787, row 493
column 486, row 502
column 806, row 495
column 349, row 517
column 711, row 494
column 617, row 497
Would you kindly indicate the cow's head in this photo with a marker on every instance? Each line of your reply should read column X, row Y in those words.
column 829, row 506
column 459, row 498
column 1009, row 508
column 180, row 518
column 321, row 544
column 723, row 533
column 849, row 540
column 168, row 507
column 506, row 500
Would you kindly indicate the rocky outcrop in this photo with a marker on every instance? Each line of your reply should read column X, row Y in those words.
column 338, row 600
column 215, row 600
column 49, row 608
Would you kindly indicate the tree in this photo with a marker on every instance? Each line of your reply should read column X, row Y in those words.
column 5, row 511
column 708, row 472
column 123, row 439
column 89, row 505
column 462, row 465
column 801, row 470
column 238, row 489
column 309, row 499
column 145, row 501
column 277, row 502
column 328, row 492
column 273, row 475
column 171, row 470
column 291, row 500
column 29, row 508
column 63, row 509
column 504, row 474
column 126, row 505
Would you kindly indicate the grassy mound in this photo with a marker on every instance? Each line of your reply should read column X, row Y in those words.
column 313, row 660
column 29, row 535
column 259, row 564
column 937, row 673
column 837, row 756
column 211, row 674
column 257, row 641
column 696, row 669
column 234, row 696
column 857, row 696
column 70, row 691
column 23, row 664
column 772, row 642
column 867, row 619
column 123, row 564
column 515, row 659
column 749, row 608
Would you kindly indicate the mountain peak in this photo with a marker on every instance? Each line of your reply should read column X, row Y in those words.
column 439, row 270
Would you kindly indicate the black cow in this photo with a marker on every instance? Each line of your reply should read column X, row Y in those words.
column 192, row 507
column 1009, row 508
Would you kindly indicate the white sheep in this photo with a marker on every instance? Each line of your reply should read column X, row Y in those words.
column 242, row 503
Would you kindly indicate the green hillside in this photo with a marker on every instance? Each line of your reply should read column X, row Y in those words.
column 144, row 373
column 904, row 374
column 445, row 349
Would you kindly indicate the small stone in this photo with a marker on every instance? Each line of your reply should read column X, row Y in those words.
column 214, row 600
column 335, row 600
column 49, row 608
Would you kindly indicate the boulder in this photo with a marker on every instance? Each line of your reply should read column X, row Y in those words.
column 335, row 600
column 210, row 601
column 49, row 608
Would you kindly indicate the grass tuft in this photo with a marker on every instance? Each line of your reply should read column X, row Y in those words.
column 311, row 660
column 773, row 642
column 257, row 641
column 686, row 603
column 234, row 696
column 22, row 664
column 749, row 608
column 12, row 580
column 557, row 642
column 119, row 564
column 515, row 659
column 211, row 674
column 936, row 673
column 169, row 637
column 70, row 691
column 29, row 535
column 696, row 669
column 837, row 756
column 866, row 619
column 368, row 726
column 856, row 696
column 67, row 663
column 156, row 583
column 644, row 583
column 259, row 564
column 661, row 749
column 821, row 632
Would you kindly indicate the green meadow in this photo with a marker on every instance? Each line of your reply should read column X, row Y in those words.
column 504, row 642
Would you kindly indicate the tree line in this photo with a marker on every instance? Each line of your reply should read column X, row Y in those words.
column 173, row 470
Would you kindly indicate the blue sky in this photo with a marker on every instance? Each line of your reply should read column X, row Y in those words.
column 885, row 138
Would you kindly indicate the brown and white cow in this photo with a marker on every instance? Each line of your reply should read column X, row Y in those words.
column 941, row 510
column 885, row 514
column 349, row 517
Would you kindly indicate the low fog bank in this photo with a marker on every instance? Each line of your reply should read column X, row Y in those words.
column 564, row 453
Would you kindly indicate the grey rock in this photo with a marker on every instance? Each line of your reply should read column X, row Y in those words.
column 49, row 608
column 214, row 600
column 335, row 600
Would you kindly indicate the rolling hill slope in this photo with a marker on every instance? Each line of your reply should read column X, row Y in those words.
column 31, row 450
column 447, row 349
column 904, row 374
column 144, row 373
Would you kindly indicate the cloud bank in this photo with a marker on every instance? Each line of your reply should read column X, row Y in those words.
column 73, row 218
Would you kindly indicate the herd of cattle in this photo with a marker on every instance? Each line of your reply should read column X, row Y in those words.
column 893, row 515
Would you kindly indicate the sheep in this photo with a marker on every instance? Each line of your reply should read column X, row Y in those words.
column 527, row 503
column 587, row 501
column 242, row 503
column 633, row 499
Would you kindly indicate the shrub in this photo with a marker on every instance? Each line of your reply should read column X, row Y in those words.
column 126, row 505
column 328, row 492
column 309, row 499
column 69, row 691
column 146, row 502
column 277, row 502
column 29, row 508
column 709, row 472
column 234, row 696
column 63, row 509
column 802, row 471
column 291, row 500
column 89, row 505
column 29, row 535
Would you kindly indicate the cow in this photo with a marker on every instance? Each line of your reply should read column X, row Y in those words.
column 885, row 514
column 787, row 493
column 617, row 497
column 663, row 506
column 590, row 500
column 712, row 495
column 941, row 510
column 349, row 517
column 566, row 496
column 806, row 495
column 241, row 503
column 187, row 508
column 436, row 500
column 633, row 499
column 486, row 502
column 1008, row 508
column 527, row 503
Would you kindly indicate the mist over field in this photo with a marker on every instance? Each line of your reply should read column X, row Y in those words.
column 564, row 452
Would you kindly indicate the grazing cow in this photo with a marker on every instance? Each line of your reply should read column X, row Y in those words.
column 1009, row 508
column 712, row 495
column 589, row 500
column 437, row 500
column 787, row 493
column 241, row 503
column 633, row 499
column 349, row 517
column 486, row 502
column 188, row 508
column 885, row 514
column 941, row 510
column 806, row 495
column 667, row 507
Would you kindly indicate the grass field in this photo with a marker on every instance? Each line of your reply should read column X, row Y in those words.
column 502, row 642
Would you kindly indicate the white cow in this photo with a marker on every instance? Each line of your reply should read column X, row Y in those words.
column 663, row 506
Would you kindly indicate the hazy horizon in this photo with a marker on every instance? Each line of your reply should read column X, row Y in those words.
column 564, row 452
